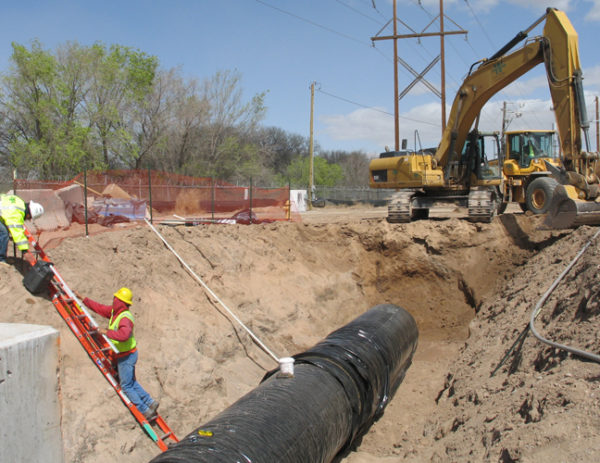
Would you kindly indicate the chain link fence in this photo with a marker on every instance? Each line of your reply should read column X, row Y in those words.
column 350, row 195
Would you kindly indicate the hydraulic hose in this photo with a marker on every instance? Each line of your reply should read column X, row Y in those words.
column 338, row 389
column 538, row 308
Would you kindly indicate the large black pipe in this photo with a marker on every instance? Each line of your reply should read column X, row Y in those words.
column 339, row 388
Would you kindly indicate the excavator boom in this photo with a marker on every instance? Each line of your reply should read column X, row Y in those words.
column 454, row 170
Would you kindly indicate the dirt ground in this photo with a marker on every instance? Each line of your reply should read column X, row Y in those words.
column 470, row 287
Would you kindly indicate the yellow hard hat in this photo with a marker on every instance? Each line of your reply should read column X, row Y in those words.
column 125, row 295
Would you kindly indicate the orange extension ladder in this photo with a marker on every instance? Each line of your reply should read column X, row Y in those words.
column 100, row 349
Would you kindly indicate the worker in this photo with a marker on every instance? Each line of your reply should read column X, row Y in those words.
column 533, row 150
column 120, row 332
column 13, row 214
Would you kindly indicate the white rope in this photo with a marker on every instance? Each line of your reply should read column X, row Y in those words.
column 210, row 291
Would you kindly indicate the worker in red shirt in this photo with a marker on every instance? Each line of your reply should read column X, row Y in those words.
column 120, row 332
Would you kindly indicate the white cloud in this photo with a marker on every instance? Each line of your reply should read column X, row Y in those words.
column 591, row 78
column 521, row 88
column 484, row 6
column 594, row 13
column 376, row 128
column 371, row 125
column 421, row 126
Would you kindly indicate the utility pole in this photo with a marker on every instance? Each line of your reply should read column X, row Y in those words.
column 310, row 147
column 396, row 99
column 597, row 126
column 505, row 117
column 443, row 65
column 419, row 77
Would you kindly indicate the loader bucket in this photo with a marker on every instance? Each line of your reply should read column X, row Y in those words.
column 567, row 212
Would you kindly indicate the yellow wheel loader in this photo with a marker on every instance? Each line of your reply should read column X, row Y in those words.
column 527, row 180
column 461, row 172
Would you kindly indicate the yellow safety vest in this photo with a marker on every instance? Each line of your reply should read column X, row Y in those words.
column 12, row 214
column 122, row 346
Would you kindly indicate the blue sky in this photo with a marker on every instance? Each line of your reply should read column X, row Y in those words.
column 281, row 46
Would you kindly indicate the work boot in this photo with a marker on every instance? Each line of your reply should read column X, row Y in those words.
column 149, row 414
column 153, row 407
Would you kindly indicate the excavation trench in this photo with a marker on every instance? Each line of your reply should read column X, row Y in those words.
column 292, row 284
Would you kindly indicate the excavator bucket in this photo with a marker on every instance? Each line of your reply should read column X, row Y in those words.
column 568, row 211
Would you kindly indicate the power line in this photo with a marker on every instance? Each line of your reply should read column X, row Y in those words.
column 372, row 2
column 358, row 12
column 480, row 25
column 372, row 108
column 312, row 23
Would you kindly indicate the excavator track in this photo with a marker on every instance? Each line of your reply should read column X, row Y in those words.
column 399, row 207
column 482, row 205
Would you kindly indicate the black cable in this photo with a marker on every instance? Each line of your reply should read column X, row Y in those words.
column 375, row 109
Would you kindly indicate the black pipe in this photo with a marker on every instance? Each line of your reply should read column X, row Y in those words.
column 339, row 388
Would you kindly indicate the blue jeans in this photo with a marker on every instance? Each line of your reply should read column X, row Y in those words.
column 136, row 393
column 3, row 241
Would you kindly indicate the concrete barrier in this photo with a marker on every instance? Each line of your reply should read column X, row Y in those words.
column 29, row 402
column 54, row 209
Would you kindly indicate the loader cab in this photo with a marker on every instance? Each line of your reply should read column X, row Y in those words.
column 524, row 147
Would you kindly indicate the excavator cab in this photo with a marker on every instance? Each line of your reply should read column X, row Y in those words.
column 481, row 156
column 489, row 162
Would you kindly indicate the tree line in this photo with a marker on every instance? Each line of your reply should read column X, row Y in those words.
column 105, row 107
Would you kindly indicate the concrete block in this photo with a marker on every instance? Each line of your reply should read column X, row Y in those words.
column 54, row 209
column 29, row 400
column 71, row 194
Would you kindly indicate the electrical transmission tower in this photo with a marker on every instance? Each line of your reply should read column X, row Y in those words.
column 418, row 76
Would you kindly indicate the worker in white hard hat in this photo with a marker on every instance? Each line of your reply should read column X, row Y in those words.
column 13, row 214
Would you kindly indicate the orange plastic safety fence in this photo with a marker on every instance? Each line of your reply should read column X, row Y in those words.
column 171, row 196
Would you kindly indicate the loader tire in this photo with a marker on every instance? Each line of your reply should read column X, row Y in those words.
column 539, row 194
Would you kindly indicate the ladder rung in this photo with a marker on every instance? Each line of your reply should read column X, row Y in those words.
column 169, row 434
column 102, row 350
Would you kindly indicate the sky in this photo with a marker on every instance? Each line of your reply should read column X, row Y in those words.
column 282, row 47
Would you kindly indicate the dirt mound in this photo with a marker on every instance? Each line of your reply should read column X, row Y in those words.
column 469, row 286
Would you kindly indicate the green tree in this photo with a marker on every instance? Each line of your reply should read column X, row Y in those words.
column 325, row 174
column 122, row 79
column 40, row 133
column 228, row 116
column 354, row 164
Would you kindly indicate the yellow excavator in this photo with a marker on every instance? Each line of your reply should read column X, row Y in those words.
column 460, row 170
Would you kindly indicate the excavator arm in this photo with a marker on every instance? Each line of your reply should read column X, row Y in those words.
column 558, row 49
column 482, row 84
column 575, row 199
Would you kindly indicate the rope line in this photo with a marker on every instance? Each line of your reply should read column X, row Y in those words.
column 211, row 292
